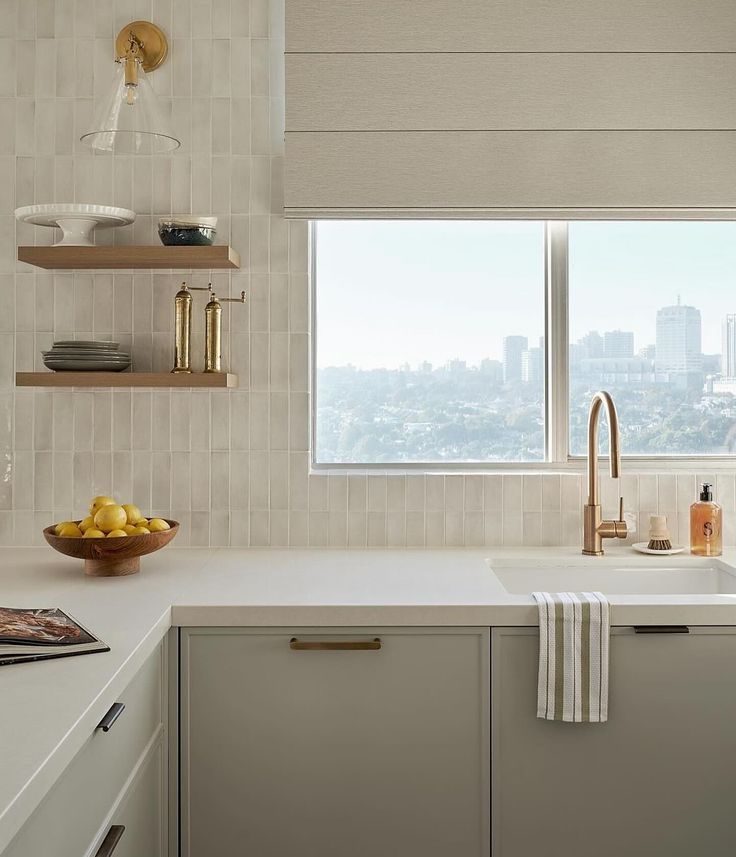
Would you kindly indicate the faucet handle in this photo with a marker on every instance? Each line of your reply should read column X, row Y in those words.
column 620, row 527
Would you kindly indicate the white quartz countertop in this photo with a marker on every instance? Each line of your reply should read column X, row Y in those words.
column 49, row 709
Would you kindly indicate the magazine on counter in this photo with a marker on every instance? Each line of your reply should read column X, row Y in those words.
column 40, row 634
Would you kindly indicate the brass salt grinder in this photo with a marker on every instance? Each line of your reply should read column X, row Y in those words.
column 183, row 326
column 213, row 330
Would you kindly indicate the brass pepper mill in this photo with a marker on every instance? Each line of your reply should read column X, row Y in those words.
column 183, row 326
column 213, row 331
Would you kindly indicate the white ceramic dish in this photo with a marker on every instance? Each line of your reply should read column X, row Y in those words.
column 76, row 220
column 642, row 548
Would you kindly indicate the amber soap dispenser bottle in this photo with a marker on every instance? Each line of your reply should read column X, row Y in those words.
column 706, row 519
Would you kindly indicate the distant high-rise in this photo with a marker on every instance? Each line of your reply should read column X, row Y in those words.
column 492, row 369
column 456, row 365
column 592, row 345
column 679, row 343
column 728, row 354
column 618, row 343
column 513, row 348
column 532, row 365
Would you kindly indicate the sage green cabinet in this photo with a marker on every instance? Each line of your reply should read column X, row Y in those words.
column 141, row 811
column 328, row 753
column 658, row 779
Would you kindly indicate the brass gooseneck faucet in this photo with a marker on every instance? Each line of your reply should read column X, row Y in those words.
column 595, row 529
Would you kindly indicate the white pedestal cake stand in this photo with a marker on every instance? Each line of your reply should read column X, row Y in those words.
column 76, row 220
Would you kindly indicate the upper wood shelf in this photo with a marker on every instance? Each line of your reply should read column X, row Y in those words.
column 130, row 256
column 219, row 380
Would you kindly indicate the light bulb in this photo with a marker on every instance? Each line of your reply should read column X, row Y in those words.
column 130, row 94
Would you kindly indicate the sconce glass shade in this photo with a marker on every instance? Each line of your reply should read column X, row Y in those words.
column 130, row 119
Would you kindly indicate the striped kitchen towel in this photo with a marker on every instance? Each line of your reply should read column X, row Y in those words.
column 574, row 630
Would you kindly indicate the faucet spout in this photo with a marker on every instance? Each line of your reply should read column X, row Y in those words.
column 594, row 528
column 602, row 398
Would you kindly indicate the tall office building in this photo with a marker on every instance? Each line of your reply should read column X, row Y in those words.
column 679, row 342
column 456, row 365
column 492, row 369
column 532, row 365
column 591, row 345
column 618, row 343
column 513, row 348
column 728, row 352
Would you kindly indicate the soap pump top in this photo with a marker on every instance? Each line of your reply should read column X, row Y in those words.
column 706, row 492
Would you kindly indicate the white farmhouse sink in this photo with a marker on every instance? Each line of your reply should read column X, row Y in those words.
column 688, row 576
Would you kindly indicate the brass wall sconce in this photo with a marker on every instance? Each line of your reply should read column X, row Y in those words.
column 130, row 119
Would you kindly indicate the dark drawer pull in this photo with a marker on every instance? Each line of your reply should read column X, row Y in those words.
column 116, row 709
column 110, row 842
column 661, row 629
column 335, row 645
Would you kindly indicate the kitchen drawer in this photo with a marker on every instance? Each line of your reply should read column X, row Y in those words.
column 136, row 826
column 68, row 819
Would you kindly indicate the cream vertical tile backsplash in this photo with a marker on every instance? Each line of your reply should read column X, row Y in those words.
column 233, row 466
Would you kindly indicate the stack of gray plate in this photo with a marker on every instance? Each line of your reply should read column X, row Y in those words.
column 79, row 355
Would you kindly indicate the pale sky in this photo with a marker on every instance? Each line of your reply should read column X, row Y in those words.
column 390, row 292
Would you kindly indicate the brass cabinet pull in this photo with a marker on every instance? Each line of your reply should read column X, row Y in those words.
column 109, row 843
column 335, row 645
column 661, row 629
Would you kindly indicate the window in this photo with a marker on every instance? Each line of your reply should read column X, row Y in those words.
column 653, row 321
column 429, row 343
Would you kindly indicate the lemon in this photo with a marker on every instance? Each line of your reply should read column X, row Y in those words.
column 139, row 531
column 158, row 525
column 60, row 526
column 70, row 531
column 133, row 513
column 115, row 534
column 129, row 529
column 86, row 524
column 110, row 517
column 98, row 503
column 92, row 533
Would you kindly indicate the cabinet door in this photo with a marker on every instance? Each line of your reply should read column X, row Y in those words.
column 657, row 779
column 324, row 753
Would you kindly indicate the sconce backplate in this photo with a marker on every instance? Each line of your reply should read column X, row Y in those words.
column 154, row 45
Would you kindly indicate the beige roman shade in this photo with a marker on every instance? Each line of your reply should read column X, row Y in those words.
column 510, row 108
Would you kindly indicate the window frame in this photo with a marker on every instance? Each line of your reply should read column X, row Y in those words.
column 557, row 456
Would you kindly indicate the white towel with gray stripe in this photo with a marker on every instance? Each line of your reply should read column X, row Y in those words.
column 574, row 637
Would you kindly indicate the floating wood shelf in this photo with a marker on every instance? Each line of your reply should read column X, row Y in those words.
column 131, row 256
column 125, row 379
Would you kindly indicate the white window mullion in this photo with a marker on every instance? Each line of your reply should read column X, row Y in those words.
column 557, row 347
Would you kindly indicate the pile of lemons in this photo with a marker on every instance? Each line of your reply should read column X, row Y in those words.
column 107, row 519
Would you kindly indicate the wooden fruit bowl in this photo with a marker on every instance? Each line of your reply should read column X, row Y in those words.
column 111, row 557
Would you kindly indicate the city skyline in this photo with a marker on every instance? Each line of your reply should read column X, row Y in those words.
column 678, row 329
